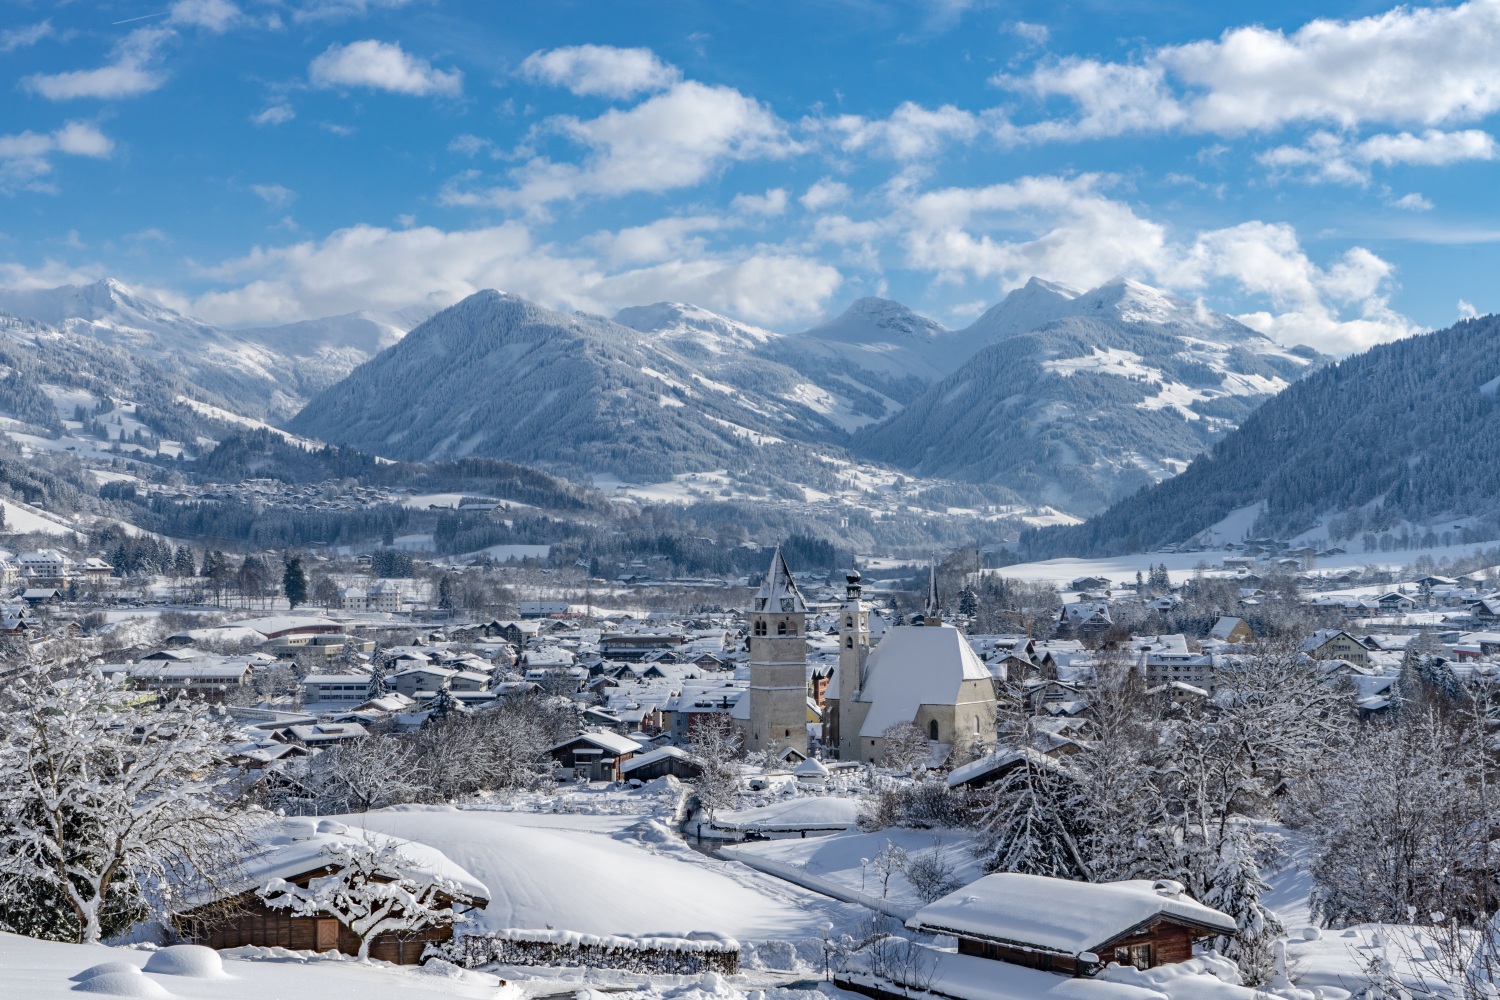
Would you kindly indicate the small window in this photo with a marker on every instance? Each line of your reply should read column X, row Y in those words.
column 932, row 730
column 792, row 627
column 781, row 628
column 849, row 642
column 849, row 621
column 1140, row 956
column 760, row 628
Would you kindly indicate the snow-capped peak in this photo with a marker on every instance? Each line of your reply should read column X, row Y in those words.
column 872, row 320
column 705, row 330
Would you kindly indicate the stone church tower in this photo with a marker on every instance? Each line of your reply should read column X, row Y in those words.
column 843, row 713
column 778, row 663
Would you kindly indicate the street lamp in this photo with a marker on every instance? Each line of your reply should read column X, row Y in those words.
column 827, row 950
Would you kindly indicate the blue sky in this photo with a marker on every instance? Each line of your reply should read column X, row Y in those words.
column 1325, row 172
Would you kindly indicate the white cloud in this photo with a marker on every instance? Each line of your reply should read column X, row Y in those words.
column 1425, row 66
column 382, row 66
column 1413, row 202
column 331, row 10
column 25, row 36
column 468, row 145
column 1338, row 159
column 824, row 193
column 214, row 15
column 276, row 114
column 50, row 274
column 773, row 202
column 673, row 140
column 600, row 70
column 1036, row 34
column 274, row 195
column 1070, row 230
column 128, row 75
column 370, row 267
column 1466, row 310
column 28, row 155
column 657, row 241
column 911, row 132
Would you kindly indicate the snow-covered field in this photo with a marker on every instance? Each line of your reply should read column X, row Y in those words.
column 607, row 874
column 46, row 970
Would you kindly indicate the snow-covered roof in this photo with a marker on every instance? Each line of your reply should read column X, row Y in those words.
column 613, row 742
column 916, row 665
column 297, row 847
column 811, row 813
column 652, row 756
column 779, row 587
column 1059, row 916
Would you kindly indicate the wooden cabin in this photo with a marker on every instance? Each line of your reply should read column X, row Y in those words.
column 1073, row 928
column 237, row 917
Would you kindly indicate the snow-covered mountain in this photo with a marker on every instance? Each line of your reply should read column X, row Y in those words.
column 500, row 376
column 1078, row 398
column 267, row 372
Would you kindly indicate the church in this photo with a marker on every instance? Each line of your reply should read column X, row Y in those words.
column 924, row 673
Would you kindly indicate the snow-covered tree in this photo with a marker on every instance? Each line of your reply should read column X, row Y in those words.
column 376, row 687
column 716, row 745
column 104, row 807
column 1235, row 886
column 359, row 775
column 904, row 747
column 1032, row 821
column 375, row 887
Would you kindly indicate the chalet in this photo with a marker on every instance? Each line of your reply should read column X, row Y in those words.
column 1231, row 630
column 993, row 768
column 1074, row 928
column 660, row 762
column 1089, row 583
column 42, row 595
column 1335, row 644
column 235, row 916
column 325, row 734
column 542, row 609
column 1486, row 610
column 1395, row 604
column 594, row 755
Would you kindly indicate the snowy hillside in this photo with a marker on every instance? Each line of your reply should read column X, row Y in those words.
column 262, row 373
column 1399, row 442
column 1116, row 388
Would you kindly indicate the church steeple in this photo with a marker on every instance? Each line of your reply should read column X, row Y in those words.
column 778, row 593
column 932, row 613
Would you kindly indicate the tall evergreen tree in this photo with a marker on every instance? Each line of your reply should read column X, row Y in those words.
column 294, row 582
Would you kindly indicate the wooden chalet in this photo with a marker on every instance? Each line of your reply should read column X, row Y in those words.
column 1073, row 928
column 237, row 916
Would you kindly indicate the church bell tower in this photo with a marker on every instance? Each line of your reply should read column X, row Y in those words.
column 841, row 723
column 778, row 663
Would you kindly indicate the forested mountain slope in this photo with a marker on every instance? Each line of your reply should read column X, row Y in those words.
column 1406, row 431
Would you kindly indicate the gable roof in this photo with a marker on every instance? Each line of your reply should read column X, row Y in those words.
column 1061, row 917
column 916, row 665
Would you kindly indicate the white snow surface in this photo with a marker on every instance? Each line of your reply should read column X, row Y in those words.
column 605, row 874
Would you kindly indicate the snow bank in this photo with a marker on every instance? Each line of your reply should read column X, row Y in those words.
column 124, row 984
column 191, row 960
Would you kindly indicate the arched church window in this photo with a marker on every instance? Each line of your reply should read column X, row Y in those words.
column 848, row 621
column 848, row 642
column 760, row 628
column 792, row 627
column 781, row 628
column 932, row 730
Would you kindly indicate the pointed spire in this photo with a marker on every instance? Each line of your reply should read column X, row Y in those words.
column 933, row 613
column 778, row 592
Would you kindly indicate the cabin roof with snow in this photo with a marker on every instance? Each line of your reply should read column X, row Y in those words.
column 1060, row 917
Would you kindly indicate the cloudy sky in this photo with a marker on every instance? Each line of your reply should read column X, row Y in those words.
column 1325, row 171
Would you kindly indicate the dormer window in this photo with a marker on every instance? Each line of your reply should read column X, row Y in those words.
column 760, row 604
